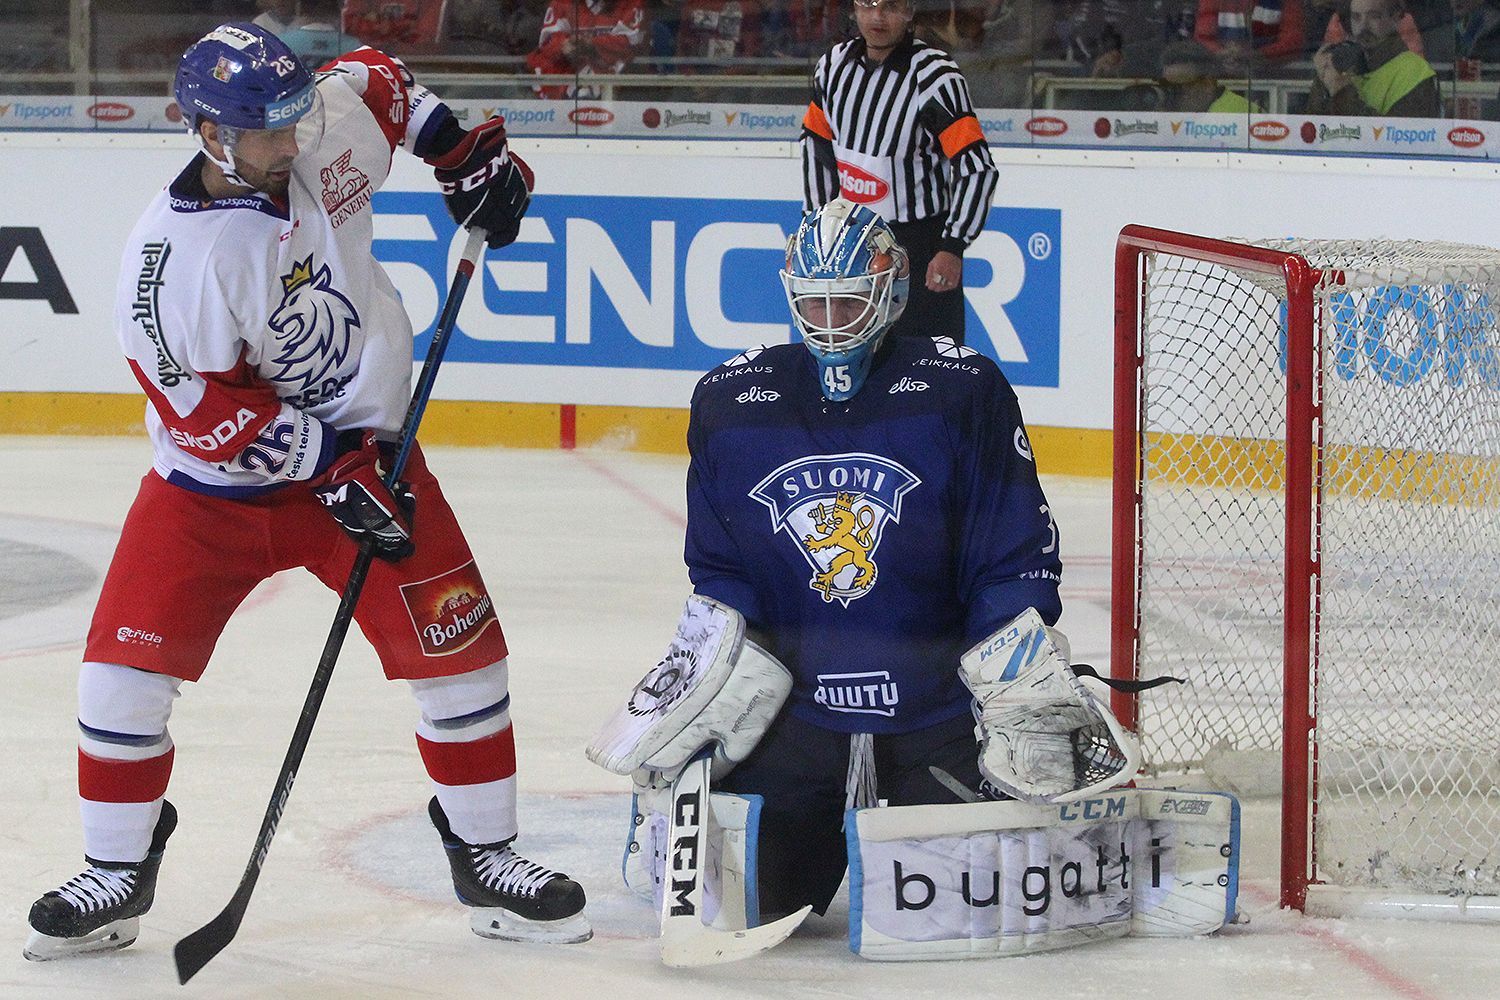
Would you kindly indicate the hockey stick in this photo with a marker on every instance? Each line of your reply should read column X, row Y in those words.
column 198, row 948
column 686, row 941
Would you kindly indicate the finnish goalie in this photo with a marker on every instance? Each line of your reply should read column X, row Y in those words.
column 875, row 572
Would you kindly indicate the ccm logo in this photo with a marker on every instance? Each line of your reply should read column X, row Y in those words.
column 217, row 438
column 1046, row 126
column 1270, row 131
column 1466, row 138
column 593, row 117
column 478, row 178
column 111, row 111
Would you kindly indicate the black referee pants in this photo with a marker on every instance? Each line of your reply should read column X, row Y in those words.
column 928, row 314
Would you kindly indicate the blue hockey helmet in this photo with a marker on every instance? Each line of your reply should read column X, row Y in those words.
column 846, row 280
column 243, row 77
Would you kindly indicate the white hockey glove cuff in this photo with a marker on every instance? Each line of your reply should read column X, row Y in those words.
column 1043, row 737
column 713, row 687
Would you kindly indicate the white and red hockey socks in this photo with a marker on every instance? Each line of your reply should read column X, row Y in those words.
column 469, row 749
column 124, row 757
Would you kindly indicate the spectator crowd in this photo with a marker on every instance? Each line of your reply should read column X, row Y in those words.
column 1345, row 57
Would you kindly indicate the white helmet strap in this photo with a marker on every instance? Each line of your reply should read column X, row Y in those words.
column 227, row 136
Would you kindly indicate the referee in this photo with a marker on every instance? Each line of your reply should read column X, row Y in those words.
column 891, row 126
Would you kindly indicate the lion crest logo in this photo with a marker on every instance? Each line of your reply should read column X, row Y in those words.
column 314, row 326
column 836, row 508
column 846, row 528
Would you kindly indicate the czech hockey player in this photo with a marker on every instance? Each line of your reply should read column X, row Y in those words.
column 277, row 361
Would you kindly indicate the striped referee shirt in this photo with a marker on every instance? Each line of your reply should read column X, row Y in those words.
column 899, row 136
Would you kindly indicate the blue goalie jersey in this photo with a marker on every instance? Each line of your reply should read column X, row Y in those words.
column 869, row 543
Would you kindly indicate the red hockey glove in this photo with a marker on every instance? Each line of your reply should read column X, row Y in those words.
column 486, row 185
column 353, row 491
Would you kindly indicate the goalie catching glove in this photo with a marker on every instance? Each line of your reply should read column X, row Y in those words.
column 486, row 185
column 354, row 491
column 1043, row 737
column 714, row 687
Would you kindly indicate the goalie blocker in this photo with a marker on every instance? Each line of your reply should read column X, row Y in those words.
column 1007, row 878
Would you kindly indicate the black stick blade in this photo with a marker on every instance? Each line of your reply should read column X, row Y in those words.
column 196, row 950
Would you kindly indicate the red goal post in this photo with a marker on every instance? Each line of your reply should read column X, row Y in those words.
column 1306, row 527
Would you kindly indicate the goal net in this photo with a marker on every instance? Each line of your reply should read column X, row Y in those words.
column 1307, row 530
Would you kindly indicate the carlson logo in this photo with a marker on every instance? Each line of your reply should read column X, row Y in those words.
column 593, row 117
column 1466, row 137
column 1046, row 125
column 111, row 111
column 1270, row 131
column 859, row 186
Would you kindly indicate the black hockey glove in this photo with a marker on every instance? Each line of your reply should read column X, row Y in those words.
column 354, row 493
column 485, row 184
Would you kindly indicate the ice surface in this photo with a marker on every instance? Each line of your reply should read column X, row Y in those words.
column 582, row 553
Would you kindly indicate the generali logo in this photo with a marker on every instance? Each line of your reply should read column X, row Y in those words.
column 592, row 117
column 1270, row 131
column 1046, row 125
column 859, row 186
column 111, row 111
column 1466, row 137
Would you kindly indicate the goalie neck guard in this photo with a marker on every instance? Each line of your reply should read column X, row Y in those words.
column 846, row 280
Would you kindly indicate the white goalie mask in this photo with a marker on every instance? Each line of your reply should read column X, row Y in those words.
column 846, row 280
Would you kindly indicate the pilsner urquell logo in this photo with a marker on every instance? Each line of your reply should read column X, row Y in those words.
column 450, row 610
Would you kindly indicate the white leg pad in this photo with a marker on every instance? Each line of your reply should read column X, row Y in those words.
column 730, row 898
column 1005, row 878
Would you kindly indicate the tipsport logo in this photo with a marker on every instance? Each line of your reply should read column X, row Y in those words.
column 679, row 284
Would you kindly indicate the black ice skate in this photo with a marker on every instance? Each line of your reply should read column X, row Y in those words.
column 100, row 908
column 511, row 898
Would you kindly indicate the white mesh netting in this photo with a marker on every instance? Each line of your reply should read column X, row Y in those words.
column 1407, row 694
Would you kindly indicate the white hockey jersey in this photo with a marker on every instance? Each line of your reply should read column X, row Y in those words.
column 260, row 329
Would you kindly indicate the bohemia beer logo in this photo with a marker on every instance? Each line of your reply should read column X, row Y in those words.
column 860, row 186
column 1270, row 131
column 450, row 610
